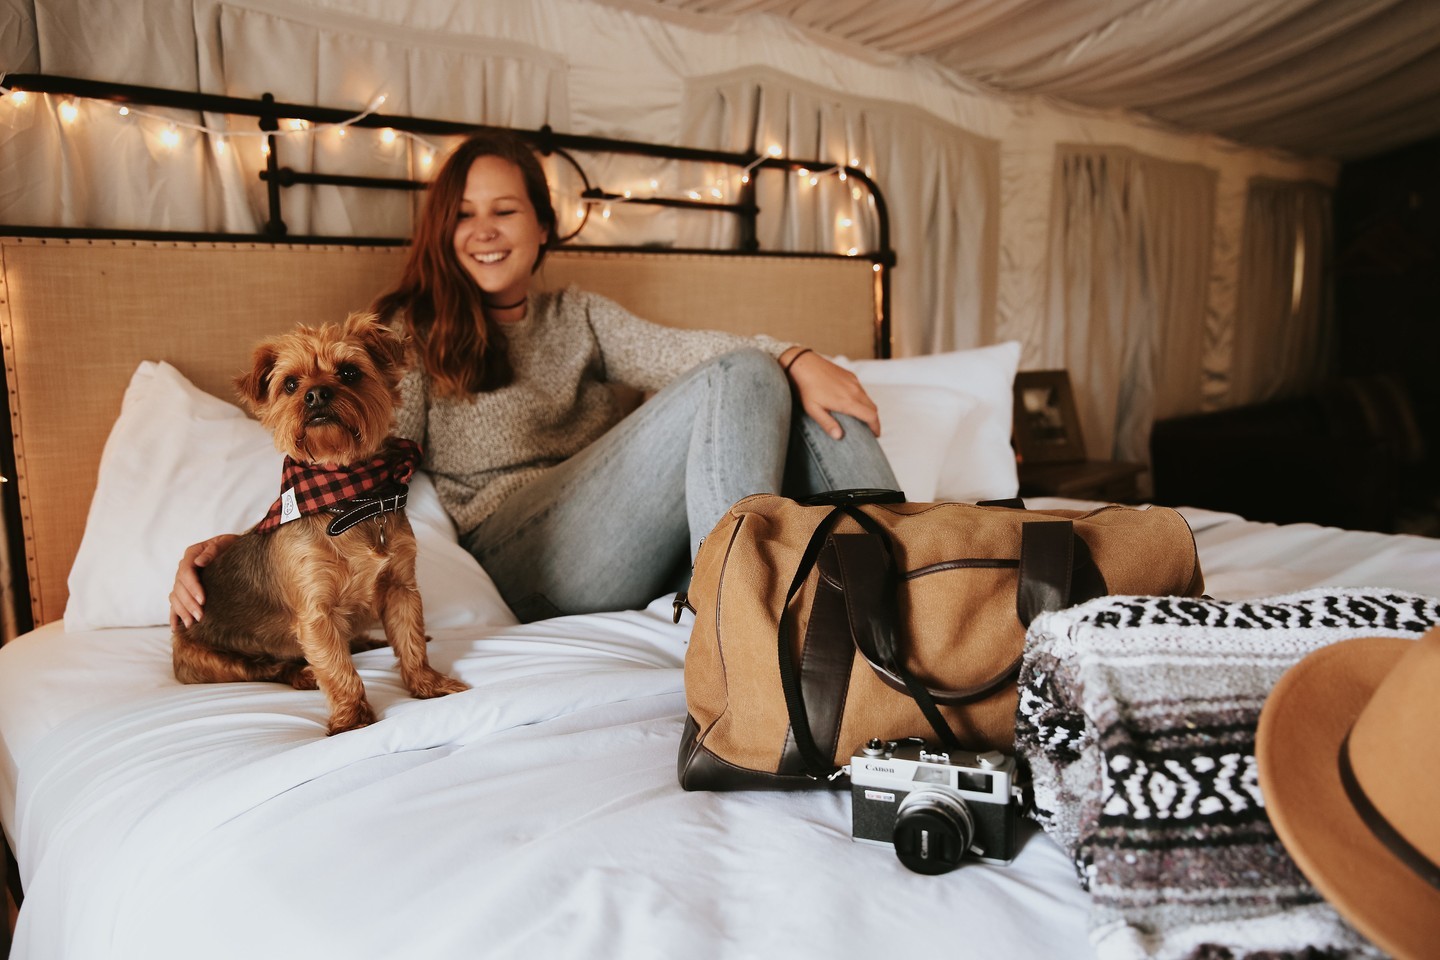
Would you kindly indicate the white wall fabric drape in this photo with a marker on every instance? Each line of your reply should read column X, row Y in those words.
column 1129, row 266
column 1284, row 322
column 97, row 170
column 309, row 57
column 941, row 185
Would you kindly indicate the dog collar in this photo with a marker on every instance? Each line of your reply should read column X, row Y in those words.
column 347, row 513
column 307, row 488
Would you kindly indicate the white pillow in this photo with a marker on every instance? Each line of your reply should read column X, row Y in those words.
column 180, row 466
column 978, row 462
column 916, row 425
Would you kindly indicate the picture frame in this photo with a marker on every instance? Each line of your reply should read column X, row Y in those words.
column 1046, row 425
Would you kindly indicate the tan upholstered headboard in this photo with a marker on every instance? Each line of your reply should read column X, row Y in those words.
column 77, row 316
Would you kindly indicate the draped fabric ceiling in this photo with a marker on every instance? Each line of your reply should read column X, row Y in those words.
column 1335, row 78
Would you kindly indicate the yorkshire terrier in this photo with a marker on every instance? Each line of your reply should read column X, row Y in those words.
column 290, row 599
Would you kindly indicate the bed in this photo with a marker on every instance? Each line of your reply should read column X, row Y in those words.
column 537, row 815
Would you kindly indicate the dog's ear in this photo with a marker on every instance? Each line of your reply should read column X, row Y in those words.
column 385, row 347
column 254, row 386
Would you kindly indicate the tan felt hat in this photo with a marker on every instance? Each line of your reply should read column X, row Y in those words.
column 1349, row 756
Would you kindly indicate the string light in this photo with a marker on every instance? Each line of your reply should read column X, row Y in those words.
column 69, row 111
column 171, row 136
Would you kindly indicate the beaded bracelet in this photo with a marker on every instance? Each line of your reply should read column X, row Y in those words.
column 791, row 362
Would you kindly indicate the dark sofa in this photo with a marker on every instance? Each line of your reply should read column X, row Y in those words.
column 1351, row 455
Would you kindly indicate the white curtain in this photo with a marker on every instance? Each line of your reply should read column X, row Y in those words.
column 941, row 185
column 96, row 168
column 1129, row 268
column 1284, row 323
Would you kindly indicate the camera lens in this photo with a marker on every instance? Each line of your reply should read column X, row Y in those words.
column 932, row 831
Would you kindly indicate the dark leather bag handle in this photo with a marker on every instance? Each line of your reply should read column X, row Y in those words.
column 1049, row 551
column 1056, row 570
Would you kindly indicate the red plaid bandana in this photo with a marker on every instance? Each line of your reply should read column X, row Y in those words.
column 307, row 488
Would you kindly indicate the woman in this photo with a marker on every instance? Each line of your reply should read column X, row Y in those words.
column 569, row 507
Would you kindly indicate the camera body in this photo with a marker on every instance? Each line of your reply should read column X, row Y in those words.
column 935, row 807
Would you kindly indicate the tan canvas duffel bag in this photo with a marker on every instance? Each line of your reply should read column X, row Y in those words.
column 820, row 626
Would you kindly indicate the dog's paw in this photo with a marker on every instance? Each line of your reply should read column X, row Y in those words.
column 302, row 677
column 360, row 716
column 432, row 683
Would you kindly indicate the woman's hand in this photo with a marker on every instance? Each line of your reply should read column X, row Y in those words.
column 824, row 388
column 187, row 597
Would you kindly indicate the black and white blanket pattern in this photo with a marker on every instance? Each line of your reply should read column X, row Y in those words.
column 1137, row 718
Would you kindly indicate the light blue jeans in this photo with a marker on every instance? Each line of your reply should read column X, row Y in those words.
column 617, row 525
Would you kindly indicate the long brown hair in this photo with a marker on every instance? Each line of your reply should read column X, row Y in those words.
column 444, row 312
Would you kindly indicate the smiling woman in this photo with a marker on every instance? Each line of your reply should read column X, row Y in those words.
column 570, row 505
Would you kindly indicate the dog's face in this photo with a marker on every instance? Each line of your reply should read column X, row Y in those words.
column 328, row 394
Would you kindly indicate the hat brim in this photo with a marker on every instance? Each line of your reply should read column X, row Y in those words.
column 1297, row 748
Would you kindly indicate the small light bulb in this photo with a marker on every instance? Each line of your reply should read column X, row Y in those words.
column 69, row 111
column 774, row 150
column 744, row 178
column 846, row 222
column 580, row 212
column 427, row 158
column 605, row 212
column 265, row 147
column 295, row 124
column 814, row 180
column 171, row 136
column 654, row 184
column 852, row 251
column 628, row 194
column 843, row 176
column 124, row 111
column 340, row 132
column 717, row 193
column 855, row 192
column 220, row 146
column 854, row 161
column 18, row 97
column 803, row 173
column 875, row 267
column 693, row 194
column 387, row 135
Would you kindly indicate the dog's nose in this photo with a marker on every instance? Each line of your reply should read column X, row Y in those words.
column 317, row 396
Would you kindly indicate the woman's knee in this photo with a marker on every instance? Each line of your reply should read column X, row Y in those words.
column 752, row 369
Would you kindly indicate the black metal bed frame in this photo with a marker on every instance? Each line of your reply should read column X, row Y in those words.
column 269, row 112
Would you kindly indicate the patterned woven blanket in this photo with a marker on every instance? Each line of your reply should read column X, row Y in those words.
column 1137, row 718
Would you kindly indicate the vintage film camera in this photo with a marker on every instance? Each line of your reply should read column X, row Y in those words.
column 934, row 807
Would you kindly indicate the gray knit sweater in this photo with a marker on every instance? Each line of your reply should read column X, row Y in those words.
column 481, row 449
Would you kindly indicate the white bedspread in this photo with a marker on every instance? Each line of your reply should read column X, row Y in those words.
column 537, row 815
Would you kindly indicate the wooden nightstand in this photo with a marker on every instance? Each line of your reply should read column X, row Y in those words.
column 1108, row 480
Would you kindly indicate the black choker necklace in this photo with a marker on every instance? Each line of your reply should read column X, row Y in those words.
column 507, row 306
